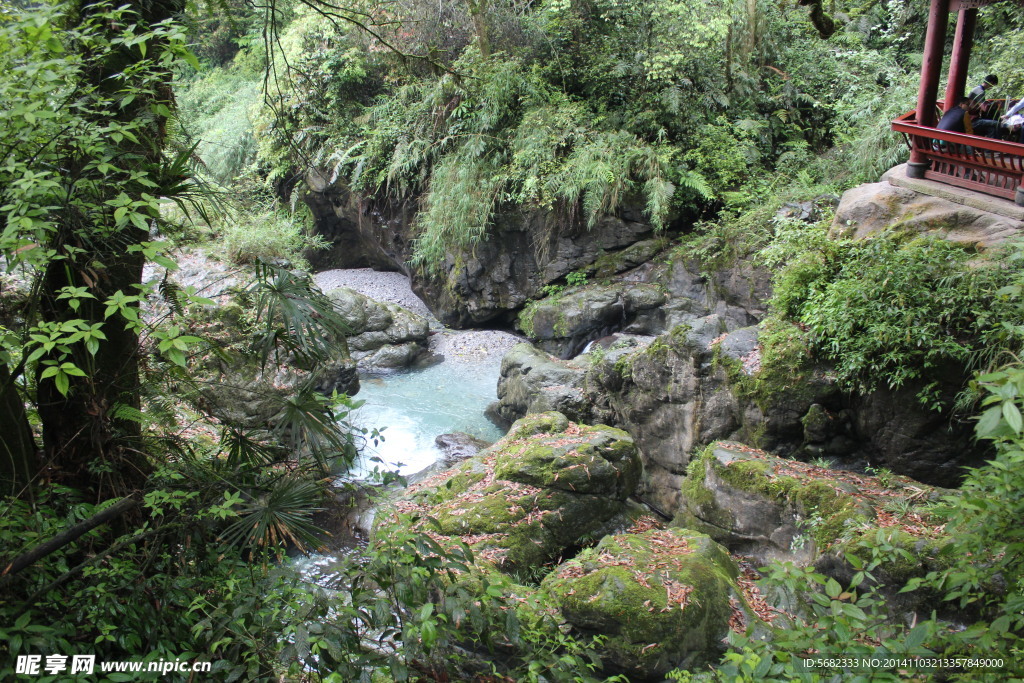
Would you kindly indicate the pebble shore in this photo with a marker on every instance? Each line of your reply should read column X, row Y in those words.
column 457, row 346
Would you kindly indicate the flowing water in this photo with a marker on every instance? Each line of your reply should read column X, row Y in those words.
column 412, row 408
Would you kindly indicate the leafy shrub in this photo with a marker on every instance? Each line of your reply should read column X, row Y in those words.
column 891, row 309
column 271, row 235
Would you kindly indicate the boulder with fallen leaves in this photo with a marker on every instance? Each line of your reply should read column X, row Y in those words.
column 663, row 598
column 548, row 486
column 771, row 508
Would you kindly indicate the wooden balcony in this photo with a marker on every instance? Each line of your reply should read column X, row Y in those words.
column 986, row 165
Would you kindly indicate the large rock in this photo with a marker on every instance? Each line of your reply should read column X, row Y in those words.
column 771, row 508
column 563, row 324
column 901, row 434
column 694, row 385
column 872, row 208
column 382, row 335
column 542, row 489
column 663, row 599
column 533, row 381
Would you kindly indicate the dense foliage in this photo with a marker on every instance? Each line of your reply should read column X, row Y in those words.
column 897, row 310
column 573, row 108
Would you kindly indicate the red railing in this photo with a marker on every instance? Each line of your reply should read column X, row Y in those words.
column 973, row 162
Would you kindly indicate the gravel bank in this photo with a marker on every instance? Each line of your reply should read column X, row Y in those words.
column 459, row 346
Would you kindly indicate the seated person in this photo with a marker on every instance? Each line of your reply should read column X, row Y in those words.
column 978, row 97
column 1012, row 119
column 988, row 128
column 958, row 118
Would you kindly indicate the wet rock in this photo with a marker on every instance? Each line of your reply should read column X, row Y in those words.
column 621, row 260
column 903, row 435
column 459, row 446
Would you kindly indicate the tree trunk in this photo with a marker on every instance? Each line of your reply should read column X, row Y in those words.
column 84, row 436
column 478, row 11
column 18, row 463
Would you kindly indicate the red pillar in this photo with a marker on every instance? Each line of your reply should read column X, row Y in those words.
column 962, row 43
column 931, row 66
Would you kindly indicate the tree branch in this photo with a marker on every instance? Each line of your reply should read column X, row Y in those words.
column 67, row 536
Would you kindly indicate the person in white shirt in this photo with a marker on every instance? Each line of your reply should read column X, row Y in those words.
column 1013, row 120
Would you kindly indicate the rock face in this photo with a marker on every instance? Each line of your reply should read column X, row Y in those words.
column 523, row 252
column 563, row 325
column 538, row 492
column 663, row 599
column 770, row 508
column 674, row 394
column 869, row 209
column 903, row 436
column 680, row 391
column 382, row 335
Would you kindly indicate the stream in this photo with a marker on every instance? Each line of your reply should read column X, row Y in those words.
column 411, row 408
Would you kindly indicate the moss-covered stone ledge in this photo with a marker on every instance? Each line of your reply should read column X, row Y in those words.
column 770, row 508
column 663, row 598
column 550, row 485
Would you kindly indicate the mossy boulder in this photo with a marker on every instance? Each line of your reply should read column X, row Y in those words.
column 663, row 599
column 515, row 502
column 614, row 262
column 771, row 508
column 579, row 459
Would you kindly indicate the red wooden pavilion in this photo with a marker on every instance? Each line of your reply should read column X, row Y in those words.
column 973, row 162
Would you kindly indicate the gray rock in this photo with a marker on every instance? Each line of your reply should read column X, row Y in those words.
column 868, row 209
column 458, row 446
column 383, row 335
column 899, row 433
column 533, row 381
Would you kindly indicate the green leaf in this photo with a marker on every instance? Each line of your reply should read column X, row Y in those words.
column 989, row 421
column 1013, row 417
column 917, row 636
column 62, row 383
column 833, row 589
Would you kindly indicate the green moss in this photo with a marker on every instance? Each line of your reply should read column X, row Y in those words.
column 611, row 589
column 624, row 366
column 538, row 423
column 786, row 371
column 695, row 493
column 672, row 343
column 753, row 475
column 524, row 321
column 561, row 326
column 829, row 512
